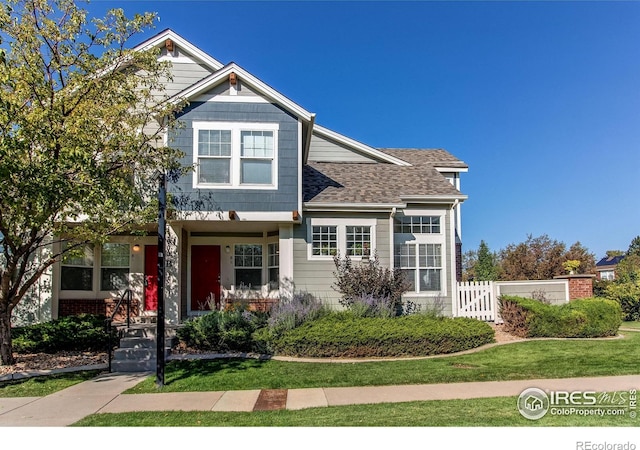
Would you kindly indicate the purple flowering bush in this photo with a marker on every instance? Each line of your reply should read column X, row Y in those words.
column 367, row 280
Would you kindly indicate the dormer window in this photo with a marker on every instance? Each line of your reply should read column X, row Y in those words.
column 235, row 155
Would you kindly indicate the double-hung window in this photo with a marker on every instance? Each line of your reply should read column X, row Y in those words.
column 256, row 157
column 419, row 242
column 214, row 156
column 248, row 265
column 274, row 265
column 77, row 270
column 114, row 267
column 421, row 264
column 235, row 155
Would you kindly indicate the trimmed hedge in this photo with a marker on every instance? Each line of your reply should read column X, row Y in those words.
column 591, row 317
column 222, row 330
column 84, row 332
column 341, row 334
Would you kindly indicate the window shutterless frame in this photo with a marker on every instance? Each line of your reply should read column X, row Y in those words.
column 235, row 155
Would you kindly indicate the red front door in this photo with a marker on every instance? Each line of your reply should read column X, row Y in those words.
column 151, row 277
column 205, row 277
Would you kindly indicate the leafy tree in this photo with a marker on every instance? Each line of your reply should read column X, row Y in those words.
column 73, row 159
column 578, row 252
column 469, row 261
column 486, row 268
column 538, row 258
column 542, row 258
column 634, row 247
column 612, row 253
column 625, row 289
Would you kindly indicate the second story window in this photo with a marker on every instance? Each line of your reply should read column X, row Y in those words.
column 214, row 156
column 235, row 155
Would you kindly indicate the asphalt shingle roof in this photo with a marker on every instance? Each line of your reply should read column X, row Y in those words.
column 339, row 182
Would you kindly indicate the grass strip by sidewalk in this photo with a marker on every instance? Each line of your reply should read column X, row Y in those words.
column 44, row 385
column 485, row 412
column 516, row 361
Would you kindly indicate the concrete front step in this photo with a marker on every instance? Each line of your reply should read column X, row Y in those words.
column 145, row 342
column 138, row 348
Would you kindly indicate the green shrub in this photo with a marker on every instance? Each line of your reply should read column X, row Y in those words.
column 341, row 334
column 84, row 332
column 221, row 330
column 627, row 294
column 591, row 317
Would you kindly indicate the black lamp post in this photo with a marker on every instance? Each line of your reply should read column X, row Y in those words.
column 162, row 208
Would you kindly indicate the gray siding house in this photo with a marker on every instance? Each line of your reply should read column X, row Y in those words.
column 273, row 196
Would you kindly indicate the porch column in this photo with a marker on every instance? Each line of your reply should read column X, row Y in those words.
column 287, row 286
column 172, row 275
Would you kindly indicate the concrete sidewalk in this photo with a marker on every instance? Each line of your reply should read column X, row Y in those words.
column 104, row 395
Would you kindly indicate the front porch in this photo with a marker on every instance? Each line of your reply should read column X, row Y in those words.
column 209, row 265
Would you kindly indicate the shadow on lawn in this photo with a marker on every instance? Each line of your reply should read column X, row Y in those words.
column 181, row 370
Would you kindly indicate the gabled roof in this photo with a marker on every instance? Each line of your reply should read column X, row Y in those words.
column 221, row 74
column 253, row 82
column 608, row 261
column 159, row 41
column 329, row 184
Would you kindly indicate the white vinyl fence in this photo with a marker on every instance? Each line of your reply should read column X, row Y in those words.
column 479, row 299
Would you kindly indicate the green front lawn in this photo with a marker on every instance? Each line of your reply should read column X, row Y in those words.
column 635, row 325
column 44, row 385
column 522, row 360
column 486, row 412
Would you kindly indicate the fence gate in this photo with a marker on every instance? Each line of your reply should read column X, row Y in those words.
column 477, row 299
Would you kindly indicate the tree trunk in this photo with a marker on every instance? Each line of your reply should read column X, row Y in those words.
column 6, row 347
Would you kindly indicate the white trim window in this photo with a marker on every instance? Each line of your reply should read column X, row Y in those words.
column 422, row 265
column 114, row 266
column 214, row 156
column 351, row 237
column 76, row 270
column 248, row 265
column 235, row 155
column 417, row 224
column 324, row 240
column 273, row 265
column 358, row 240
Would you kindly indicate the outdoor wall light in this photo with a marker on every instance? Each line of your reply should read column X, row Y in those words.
column 136, row 247
column 227, row 249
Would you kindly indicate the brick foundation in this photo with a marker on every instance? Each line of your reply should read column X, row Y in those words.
column 72, row 307
column 580, row 286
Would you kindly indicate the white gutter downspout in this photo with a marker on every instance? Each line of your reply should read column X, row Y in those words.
column 452, row 264
column 391, row 241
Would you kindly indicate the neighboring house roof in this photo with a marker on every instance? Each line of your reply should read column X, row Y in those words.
column 334, row 183
column 609, row 262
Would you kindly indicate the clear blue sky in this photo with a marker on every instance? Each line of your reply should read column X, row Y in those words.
column 540, row 99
